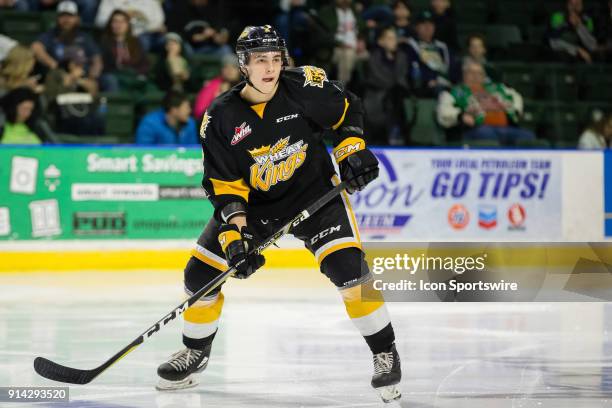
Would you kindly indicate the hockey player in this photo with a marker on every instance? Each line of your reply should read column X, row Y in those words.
column 263, row 163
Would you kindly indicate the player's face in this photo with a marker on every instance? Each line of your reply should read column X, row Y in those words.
column 264, row 69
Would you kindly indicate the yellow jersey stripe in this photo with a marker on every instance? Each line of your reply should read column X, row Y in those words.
column 347, row 204
column 346, row 105
column 352, row 218
column 236, row 187
column 208, row 261
column 337, row 248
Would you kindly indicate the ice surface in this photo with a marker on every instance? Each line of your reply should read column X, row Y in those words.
column 285, row 341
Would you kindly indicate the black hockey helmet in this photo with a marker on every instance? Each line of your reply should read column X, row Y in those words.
column 260, row 39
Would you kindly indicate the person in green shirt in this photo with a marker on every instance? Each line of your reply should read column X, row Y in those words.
column 482, row 110
column 18, row 106
column 571, row 32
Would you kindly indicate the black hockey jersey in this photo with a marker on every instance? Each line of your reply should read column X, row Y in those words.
column 269, row 156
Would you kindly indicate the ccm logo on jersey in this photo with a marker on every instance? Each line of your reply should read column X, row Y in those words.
column 325, row 233
column 288, row 117
column 240, row 133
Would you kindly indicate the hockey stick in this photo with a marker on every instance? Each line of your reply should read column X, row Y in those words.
column 57, row 372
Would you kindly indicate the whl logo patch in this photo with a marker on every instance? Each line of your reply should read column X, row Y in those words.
column 240, row 133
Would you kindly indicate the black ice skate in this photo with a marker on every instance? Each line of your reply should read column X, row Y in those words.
column 177, row 372
column 387, row 374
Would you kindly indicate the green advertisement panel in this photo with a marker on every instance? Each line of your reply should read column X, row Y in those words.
column 91, row 192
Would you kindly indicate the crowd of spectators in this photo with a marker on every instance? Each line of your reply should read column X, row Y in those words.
column 387, row 51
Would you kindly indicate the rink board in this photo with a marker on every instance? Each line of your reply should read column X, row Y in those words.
column 118, row 208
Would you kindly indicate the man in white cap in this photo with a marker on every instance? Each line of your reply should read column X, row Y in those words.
column 50, row 46
column 87, row 8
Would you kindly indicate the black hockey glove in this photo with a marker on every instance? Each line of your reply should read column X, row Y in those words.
column 236, row 246
column 357, row 164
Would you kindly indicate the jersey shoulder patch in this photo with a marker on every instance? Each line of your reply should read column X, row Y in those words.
column 314, row 76
column 205, row 121
column 305, row 76
column 216, row 112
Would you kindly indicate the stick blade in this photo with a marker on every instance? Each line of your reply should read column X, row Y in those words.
column 58, row 372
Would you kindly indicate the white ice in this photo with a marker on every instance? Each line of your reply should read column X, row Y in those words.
column 285, row 341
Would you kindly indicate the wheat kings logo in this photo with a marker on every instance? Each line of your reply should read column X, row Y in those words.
column 277, row 163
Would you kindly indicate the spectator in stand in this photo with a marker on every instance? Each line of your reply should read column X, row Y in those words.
column 146, row 19
column 87, row 8
column 378, row 15
column 50, row 47
column 477, row 52
column 18, row 106
column 172, row 70
column 125, row 61
column 71, row 96
column 571, row 33
column 344, row 21
column 230, row 76
column 386, row 88
column 17, row 70
column 202, row 24
column 482, row 110
column 6, row 44
column 430, row 59
column 171, row 124
column 598, row 135
column 403, row 27
column 604, row 34
column 17, row 5
column 308, row 39
column 446, row 23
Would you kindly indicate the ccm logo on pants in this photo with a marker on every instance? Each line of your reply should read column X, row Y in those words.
column 325, row 233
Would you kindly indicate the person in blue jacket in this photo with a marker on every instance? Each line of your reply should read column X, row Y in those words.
column 171, row 124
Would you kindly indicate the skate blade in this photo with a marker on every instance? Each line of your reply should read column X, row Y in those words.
column 389, row 394
column 166, row 385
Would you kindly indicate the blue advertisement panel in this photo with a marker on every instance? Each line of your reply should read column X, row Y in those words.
column 608, row 192
column 457, row 195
